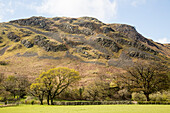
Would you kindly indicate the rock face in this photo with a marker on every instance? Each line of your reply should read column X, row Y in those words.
column 135, row 45
column 27, row 43
column 108, row 43
column 48, row 45
column 40, row 22
column 43, row 42
column 130, row 32
column 74, row 29
column 13, row 37
column 107, row 29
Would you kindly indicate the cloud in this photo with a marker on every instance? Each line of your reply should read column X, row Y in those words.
column 105, row 10
column 5, row 9
column 164, row 40
column 136, row 3
column 1, row 10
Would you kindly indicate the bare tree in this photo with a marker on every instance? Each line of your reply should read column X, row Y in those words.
column 147, row 77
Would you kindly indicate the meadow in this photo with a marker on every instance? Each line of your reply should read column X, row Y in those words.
column 87, row 109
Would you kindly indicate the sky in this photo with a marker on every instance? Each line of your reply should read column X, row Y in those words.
column 151, row 18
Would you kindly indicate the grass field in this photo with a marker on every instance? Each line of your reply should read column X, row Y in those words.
column 87, row 109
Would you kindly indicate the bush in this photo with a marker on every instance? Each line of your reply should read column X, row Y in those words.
column 154, row 102
column 159, row 96
column 138, row 96
column 32, row 102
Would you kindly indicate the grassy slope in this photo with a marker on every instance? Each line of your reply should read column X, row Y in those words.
column 88, row 109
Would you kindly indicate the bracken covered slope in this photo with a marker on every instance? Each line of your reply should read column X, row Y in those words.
column 30, row 46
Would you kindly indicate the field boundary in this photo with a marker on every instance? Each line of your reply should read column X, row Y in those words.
column 95, row 103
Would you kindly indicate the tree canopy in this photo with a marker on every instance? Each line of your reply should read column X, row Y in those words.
column 55, row 81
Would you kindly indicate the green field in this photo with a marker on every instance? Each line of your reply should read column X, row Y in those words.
column 87, row 109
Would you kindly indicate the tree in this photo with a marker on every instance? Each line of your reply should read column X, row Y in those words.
column 10, row 85
column 38, row 90
column 23, row 85
column 57, row 80
column 1, row 81
column 147, row 77
column 16, row 85
column 98, row 90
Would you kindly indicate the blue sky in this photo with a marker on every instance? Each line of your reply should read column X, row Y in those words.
column 150, row 17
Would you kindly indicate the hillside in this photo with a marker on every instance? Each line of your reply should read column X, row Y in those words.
column 30, row 46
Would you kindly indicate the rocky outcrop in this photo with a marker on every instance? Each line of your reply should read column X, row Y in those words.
column 40, row 22
column 48, row 45
column 69, row 28
column 107, row 29
column 113, row 46
column 27, row 43
column 72, row 29
column 13, row 37
column 135, row 44
column 130, row 32
column 67, row 20
column 136, row 53
column 86, row 31
column 91, row 25
column 91, row 19
column 43, row 42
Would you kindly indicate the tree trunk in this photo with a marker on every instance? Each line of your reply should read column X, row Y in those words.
column 52, row 103
column 41, row 100
column 14, row 95
column 48, row 100
column 147, row 96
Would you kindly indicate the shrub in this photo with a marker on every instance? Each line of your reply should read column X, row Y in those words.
column 138, row 96
column 32, row 102
column 159, row 96
column 154, row 102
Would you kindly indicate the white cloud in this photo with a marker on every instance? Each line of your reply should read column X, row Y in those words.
column 136, row 3
column 1, row 10
column 5, row 9
column 164, row 40
column 105, row 10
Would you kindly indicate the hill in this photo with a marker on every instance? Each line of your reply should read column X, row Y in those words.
column 30, row 46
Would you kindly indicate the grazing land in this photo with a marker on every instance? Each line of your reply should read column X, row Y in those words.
column 87, row 109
